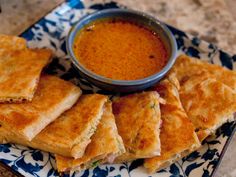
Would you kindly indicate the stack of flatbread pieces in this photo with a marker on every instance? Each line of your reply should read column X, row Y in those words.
column 105, row 146
column 83, row 131
column 48, row 113
column 30, row 102
column 138, row 120
column 122, row 136
column 178, row 137
column 200, row 97
column 207, row 92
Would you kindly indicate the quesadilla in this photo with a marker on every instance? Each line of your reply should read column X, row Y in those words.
column 12, row 42
column 69, row 134
column 105, row 145
column 138, row 121
column 178, row 137
column 19, row 73
column 53, row 97
column 208, row 103
column 186, row 66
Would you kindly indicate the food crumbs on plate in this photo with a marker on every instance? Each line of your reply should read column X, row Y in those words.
column 120, row 50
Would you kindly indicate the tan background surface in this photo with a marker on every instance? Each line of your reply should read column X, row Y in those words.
column 211, row 20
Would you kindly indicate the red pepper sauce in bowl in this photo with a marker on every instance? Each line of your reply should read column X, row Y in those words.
column 120, row 50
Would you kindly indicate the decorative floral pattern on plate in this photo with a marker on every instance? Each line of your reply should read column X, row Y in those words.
column 51, row 32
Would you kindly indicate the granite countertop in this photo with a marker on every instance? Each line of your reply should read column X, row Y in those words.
column 211, row 20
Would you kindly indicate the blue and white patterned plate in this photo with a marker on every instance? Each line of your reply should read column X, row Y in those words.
column 50, row 32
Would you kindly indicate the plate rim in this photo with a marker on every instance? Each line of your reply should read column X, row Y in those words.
column 226, row 145
column 2, row 164
column 229, row 139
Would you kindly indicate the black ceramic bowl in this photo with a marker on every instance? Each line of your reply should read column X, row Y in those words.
column 132, row 16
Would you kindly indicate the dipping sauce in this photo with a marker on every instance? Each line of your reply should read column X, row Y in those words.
column 120, row 50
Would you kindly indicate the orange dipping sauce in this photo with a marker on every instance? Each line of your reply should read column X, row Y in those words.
column 120, row 50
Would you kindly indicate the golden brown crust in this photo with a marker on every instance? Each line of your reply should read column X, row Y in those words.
column 208, row 103
column 103, row 143
column 19, row 73
column 52, row 98
column 73, row 127
column 12, row 42
column 177, row 132
column 203, row 134
column 205, row 93
column 2, row 135
column 186, row 66
column 138, row 121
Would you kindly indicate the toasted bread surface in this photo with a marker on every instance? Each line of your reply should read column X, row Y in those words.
column 177, row 132
column 104, row 143
column 69, row 134
column 53, row 97
column 138, row 122
column 186, row 66
column 208, row 103
column 12, row 42
column 19, row 73
column 73, row 129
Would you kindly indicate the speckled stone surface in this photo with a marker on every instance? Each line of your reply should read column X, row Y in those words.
column 17, row 15
column 211, row 20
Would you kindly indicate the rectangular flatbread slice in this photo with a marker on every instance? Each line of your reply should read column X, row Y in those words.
column 73, row 130
column 178, row 137
column 186, row 66
column 19, row 73
column 208, row 103
column 12, row 42
column 52, row 98
column 138, row 121
column 69, row 134
column 105, row 145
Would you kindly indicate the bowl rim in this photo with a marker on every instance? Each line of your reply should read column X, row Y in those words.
column 106, row 80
